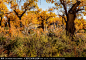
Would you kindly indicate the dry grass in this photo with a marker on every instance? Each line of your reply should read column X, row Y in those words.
column 43, row 44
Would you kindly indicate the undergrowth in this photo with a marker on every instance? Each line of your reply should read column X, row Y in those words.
column 43, row 46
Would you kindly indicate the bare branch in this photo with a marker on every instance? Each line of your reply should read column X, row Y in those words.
column 16, row 12
column 23, row 12
column 75, row 6
column 79, row 10
column 47, row 18
column 26, row 10
column 63, row 17
column 64, row 5
column 28, row 4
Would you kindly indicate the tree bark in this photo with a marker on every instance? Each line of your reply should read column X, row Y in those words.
column 5, row 24
column 9, row 22
column 42, row 25
column 70, row 28
column 0, row 21
column 71, row 15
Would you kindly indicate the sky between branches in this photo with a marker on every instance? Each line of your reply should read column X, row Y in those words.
column 44, row 5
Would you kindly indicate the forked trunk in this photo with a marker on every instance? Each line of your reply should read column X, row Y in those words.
column 70, row 28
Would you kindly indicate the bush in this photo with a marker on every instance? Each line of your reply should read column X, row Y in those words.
column 45, row 46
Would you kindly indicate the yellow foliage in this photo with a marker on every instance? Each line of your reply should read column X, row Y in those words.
column 3, row 7
column 80, row 24
column 85, row 8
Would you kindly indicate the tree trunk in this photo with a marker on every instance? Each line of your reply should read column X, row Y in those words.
column 0, row 21
column 9, row 22
column 70, row 28
column 20, row 21
column 54, row 25
column 42, row 24
column 5, row 24
column 9, row 27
